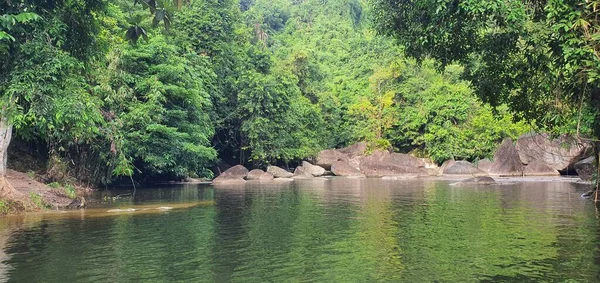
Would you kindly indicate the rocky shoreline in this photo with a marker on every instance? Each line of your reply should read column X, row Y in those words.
column 532, row 155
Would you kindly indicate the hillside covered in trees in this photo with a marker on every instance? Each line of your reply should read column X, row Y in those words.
column 100, row 90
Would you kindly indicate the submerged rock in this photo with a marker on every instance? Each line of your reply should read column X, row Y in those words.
column 77, row 203
column 480, row 180
column 561, row 153
column 279, row 172
column 121, row 210
column 506, row 160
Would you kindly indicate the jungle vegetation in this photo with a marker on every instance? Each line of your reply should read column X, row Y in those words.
column 161, row 89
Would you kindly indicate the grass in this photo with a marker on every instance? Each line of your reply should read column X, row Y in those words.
column 37, row 200
column 70, row 191
column 4, row 207
column 54, row 185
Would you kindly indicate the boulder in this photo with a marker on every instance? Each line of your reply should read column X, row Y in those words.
column 586, row 169
column 539, row 168
column 432, row 171
column 235, row 174
column 314, row 170
column 402, row 159
column 301, row 173
column 506, row 160
column 462, row 168
column 341, row 168
column 237, row 171
column 327, row 157
column 479, row 180
column 258, row 174
column 278, row 172
column 560, row 153
column 381, row 169
column 484, row 165
column 446, row 164
column 357, row 149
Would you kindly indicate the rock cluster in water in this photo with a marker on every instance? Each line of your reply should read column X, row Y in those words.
column 533, row 155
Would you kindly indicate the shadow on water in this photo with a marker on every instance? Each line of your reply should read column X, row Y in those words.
column 338, row 230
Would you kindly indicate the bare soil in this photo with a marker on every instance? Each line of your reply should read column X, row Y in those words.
column 22, row 195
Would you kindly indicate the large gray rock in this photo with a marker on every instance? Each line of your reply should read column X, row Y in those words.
column 539, row 168
column 484, row 165
column 400, row 159
column 357, row 149
column 376, row 169
column 235, row 174
column 446, row 164
column 383, row 163
column 462, row 168
column 327, row 157
column 301, row 173
column 341, row 168
column 258, row 174
column 278, row 172
column 586, row 169
column 561, row 153
column 506, row 160
column 314, row 170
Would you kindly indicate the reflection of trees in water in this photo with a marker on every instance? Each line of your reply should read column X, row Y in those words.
column 339, row 230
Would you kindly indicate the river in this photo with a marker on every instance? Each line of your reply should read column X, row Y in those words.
column 339, row 230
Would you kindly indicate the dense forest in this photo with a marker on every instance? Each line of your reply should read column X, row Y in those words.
column 101, row 90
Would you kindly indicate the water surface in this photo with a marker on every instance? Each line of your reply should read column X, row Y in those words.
column 340, row 230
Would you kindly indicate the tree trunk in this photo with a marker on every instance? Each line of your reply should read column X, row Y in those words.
column 5, row 136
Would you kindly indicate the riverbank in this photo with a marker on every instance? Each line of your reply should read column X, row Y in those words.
column 27, row 194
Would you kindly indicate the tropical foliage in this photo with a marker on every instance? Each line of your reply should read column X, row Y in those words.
column 167, row 89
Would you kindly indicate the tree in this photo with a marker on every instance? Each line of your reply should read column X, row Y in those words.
column 374, row 114
column 528, row 54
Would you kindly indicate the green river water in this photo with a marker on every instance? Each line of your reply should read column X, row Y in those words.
column 339, row 230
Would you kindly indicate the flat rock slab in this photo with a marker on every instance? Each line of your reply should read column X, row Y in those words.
column 376, row 169
column 228, row 181
column 340, row 168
